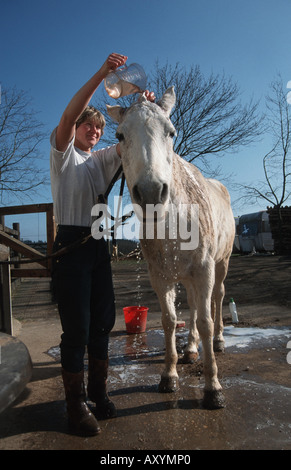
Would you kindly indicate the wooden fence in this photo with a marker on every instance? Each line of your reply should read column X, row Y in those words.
column 280, row 222
column 9, row 240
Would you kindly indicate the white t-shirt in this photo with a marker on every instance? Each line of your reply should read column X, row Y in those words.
column 77, row 178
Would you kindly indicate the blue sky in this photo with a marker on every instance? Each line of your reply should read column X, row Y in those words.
column 50, row 48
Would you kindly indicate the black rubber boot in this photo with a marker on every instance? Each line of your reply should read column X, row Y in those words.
column 97, row 384
column 81, row 421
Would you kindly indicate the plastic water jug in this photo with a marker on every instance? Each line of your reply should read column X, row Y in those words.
column 125, row 81
column 233, row 310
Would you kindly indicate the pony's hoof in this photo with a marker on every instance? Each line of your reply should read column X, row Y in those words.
column 169, row 384
column 213, row 399
column 218, row 346
column 189, row 357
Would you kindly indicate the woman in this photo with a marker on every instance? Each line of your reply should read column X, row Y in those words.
column 82, row 278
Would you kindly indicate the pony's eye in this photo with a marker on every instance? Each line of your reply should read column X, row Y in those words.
column 119, row 136
column 170, row 132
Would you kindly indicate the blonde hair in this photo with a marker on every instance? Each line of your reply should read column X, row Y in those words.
column 92, row 114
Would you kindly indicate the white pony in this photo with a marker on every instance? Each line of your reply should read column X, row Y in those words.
column 155, row 175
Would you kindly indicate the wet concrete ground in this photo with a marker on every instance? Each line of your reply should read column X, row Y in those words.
column 253, row 375
column 254, row 372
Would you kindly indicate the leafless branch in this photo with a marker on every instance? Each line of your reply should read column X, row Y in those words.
column 20, row 137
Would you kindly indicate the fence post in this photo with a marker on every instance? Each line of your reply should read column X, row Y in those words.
column 16, row 227
column 6, row 304
column 51, row 231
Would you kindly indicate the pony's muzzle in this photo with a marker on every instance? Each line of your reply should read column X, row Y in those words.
column 154, row 193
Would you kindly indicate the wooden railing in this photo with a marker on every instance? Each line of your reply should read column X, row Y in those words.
column 16, row 245
column 9, row 240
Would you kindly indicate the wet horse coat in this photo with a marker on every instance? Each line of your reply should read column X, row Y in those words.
column 155, row 175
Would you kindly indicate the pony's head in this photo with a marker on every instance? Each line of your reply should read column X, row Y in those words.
column 146, row 133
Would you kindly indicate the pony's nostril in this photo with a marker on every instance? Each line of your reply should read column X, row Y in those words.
column 154, row 194
column 164, row 193
column 136, row 194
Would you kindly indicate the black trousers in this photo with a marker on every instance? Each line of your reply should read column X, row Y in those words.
column 83, row 287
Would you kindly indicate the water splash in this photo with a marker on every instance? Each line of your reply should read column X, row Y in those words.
column 138, row 277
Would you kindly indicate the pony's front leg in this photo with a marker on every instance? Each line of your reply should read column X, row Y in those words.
column 169, row 378
column 213, row 396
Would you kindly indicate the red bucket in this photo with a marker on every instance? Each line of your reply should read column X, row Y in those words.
column 135, row 319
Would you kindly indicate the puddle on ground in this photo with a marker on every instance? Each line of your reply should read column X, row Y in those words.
column 125, row 348
column 132, row 356
column 257, row 414
column 237, row 338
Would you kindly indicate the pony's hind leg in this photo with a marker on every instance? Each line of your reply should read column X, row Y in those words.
column 217, row 299
column 191, row 351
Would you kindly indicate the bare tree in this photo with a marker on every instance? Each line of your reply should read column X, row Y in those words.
column 20, row 137
column 209, row 117
column 275, row 189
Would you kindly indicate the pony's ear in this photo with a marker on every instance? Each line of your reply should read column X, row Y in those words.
column 168, row 100
column 115, row 112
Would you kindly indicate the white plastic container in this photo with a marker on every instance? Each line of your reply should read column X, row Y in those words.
column 233, row 310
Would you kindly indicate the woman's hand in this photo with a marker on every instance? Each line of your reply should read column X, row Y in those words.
column 150, row 96
column 112, row 62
